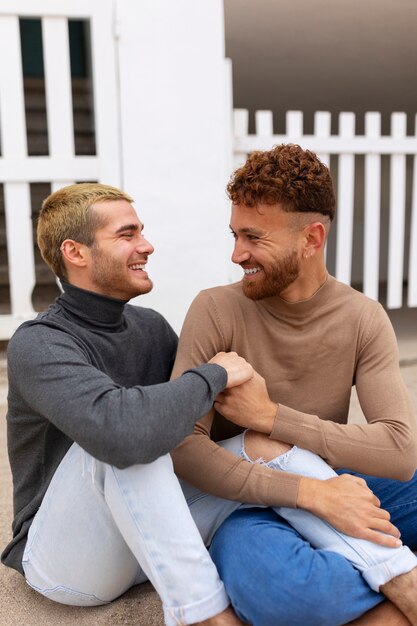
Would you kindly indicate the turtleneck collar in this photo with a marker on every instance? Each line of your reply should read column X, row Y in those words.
column 90, row 308
column 278, row 306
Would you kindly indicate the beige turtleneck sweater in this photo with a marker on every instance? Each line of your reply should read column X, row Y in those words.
column 310, row 353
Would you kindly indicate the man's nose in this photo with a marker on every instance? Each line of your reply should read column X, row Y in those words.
column 240, row 255
column 144, row 246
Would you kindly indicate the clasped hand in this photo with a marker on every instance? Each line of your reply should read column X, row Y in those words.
column 248, row 405
column 347, row 503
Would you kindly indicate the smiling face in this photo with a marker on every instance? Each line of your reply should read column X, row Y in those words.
column 267, row 247
column 116, row 262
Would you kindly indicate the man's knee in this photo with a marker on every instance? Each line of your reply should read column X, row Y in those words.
column 274, row 577
column 258, row 445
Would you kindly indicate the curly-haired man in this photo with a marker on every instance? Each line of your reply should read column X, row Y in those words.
column 310, row 338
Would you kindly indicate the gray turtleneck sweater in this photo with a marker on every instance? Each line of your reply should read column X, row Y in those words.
column 92, row 369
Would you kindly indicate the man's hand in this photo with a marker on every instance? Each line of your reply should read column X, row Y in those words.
column 248, row 405
column 347, row 503
column 238, row 370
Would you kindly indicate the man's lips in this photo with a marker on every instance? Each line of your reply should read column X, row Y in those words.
column 249, row 271
column 137, row 266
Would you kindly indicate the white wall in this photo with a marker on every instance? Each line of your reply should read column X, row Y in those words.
column 176, row 148
column 345, row 55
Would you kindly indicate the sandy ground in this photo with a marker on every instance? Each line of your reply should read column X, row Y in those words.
column 20, row 606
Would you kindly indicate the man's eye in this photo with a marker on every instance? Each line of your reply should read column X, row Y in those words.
column 233, row 234
column 127, row 235
column 252, row 237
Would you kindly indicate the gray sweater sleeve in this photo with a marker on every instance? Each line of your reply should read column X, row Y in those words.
column 52, row 378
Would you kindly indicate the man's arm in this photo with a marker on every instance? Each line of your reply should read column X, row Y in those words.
column 387, row 445
column 51, row 376
column 198, row 459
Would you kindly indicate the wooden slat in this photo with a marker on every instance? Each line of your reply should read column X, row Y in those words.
column 412, row 268
column 322, row 128
column 41, row 169
column 12, row 107
column 39, row 8
column 59, row 108
column 345, row 199
column 19, row 247
column 264, row 124
column 294, row 123
column 14, row 146
column 240, row 122
column 397, row 217
column 106, row 92
column 240, row 130
column 372, row 210
column 228, row 113
column 333, row 144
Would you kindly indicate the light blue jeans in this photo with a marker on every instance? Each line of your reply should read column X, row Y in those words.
column 100, row 530
column 377, row 564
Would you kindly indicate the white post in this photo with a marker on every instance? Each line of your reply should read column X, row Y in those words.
column 397, row 218
column 412, row 268
column 264, row 124
column 322, row 127
column 241, row 130
column 294, row 126
column 345, row 198
column 56, row 56
column 372, row 210
column 16, row 194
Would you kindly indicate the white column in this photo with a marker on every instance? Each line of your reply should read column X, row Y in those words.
column 176, row 142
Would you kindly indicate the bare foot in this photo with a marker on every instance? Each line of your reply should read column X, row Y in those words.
column 385, row 614
column 402, row 592
column 226, row 618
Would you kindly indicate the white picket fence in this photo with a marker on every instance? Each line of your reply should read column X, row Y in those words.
column 62, row 166
column 346, row 145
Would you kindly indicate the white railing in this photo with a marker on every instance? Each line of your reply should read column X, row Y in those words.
column 346, row 145
column 62, row 166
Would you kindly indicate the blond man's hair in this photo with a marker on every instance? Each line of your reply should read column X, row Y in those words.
column 67, row 214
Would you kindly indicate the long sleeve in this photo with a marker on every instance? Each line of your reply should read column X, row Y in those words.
column 54, row 379
column 387, row 445
column 198, row 459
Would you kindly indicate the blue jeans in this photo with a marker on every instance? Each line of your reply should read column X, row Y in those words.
column 275, row 578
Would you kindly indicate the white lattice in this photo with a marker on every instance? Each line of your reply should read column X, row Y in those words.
column 62, row 166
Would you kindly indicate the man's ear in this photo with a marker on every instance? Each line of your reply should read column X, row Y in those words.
column 74, row 253
column 315, row 238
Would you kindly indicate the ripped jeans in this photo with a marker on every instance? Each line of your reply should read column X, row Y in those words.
column 100, row 530
column 377, row 564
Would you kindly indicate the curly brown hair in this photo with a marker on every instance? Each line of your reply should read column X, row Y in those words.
column 286, row 175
